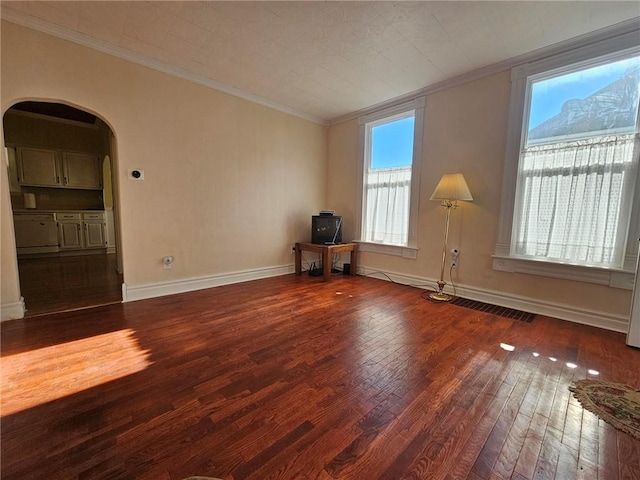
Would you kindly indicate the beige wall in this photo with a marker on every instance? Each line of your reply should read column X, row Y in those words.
column 229, row 184
column 465, row 131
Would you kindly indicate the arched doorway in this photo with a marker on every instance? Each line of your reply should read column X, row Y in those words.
column 63, row 206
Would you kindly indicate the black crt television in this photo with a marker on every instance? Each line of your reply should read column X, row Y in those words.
column 326, row 229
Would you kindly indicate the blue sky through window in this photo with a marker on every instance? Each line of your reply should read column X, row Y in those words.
column 392, row 144
column 548, row 96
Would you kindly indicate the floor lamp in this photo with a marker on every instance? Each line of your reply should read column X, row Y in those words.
column 452, row 187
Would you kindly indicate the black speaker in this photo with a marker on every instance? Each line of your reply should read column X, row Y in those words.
column 346, row 269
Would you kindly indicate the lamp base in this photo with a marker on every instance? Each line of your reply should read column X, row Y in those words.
column 440, row 297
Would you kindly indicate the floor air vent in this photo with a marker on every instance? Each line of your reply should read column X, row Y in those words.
column 494, row 309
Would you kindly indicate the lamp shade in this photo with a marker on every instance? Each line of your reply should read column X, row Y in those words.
column 452, row 186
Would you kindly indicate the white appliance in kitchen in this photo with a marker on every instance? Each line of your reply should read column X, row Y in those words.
column 633, row 336
column 36, row 233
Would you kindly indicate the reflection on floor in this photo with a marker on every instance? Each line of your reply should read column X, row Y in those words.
column 295, row 378
column 56, row 284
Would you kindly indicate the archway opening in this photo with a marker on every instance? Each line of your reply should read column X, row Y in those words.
column 63, row 205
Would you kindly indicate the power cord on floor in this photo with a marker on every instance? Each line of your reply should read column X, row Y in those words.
column 453, row 284
column 424, row 294
column 417, row 285
column 316, row 270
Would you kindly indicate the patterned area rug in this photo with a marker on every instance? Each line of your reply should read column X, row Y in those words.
column 615, row 403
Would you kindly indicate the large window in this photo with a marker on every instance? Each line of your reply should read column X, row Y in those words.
column 391, row 139
column 577, row 163
column 569, row 207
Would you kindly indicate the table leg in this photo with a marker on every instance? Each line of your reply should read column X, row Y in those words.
column 298, row 260
column 354, row 261
column 326, row 264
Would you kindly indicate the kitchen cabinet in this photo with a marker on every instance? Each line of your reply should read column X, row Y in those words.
column 81, row 170
column 81, row 231
column 38, row 167
column 14, row 186
column 94, row 230
column 70, row 231
column 41, row 167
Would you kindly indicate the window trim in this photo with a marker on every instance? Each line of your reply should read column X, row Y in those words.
column 625, row 44
column 410, row 249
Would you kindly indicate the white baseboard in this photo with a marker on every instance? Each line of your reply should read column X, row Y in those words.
column 617, row 323
column 132, row 293
column 11, row 311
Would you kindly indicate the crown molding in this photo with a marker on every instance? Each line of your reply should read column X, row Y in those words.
column 631, row 26
column 49, row 28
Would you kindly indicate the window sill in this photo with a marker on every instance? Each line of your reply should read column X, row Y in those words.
column 615, row 278
column 404, row 251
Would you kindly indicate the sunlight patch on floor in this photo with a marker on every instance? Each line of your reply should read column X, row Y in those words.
column 46, row 374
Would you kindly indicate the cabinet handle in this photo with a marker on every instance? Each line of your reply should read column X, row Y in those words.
column 57, row 179
column 65, row 180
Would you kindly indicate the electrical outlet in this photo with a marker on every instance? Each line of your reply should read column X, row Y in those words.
column 293, row 249
column 454, row 257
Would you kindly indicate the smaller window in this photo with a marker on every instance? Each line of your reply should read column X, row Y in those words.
column 387, row 179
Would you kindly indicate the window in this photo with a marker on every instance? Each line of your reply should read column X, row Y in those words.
column 389, row 190
column 577, row 164
column 388, row 180
column 571, row 169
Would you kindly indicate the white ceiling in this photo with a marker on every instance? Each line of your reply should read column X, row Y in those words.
column 320, row 59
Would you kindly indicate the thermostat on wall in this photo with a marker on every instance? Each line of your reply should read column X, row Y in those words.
column 136, row 174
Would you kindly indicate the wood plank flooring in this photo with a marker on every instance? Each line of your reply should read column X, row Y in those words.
column 294, row 378
column 56, row 284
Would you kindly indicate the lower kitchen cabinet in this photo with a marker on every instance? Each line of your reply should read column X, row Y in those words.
column 70, row 235
column 94, row 236
column 81, row 231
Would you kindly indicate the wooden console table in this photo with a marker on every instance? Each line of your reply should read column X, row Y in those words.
column 327, row 251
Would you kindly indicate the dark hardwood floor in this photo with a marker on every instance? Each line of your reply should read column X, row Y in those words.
column 294, row 378
column 56, row 284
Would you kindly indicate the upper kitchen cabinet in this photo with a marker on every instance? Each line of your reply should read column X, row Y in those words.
column 40, row 167
column 81, row 170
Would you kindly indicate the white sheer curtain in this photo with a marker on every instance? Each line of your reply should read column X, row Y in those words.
column 572, row 197
column 387, row 205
